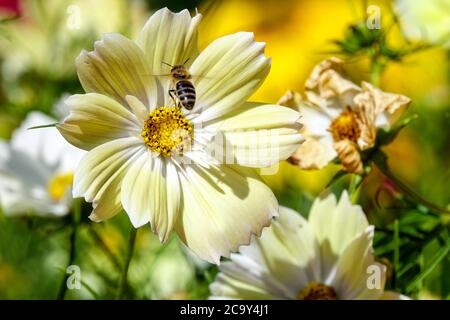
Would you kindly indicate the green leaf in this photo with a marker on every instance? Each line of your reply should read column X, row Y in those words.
column 44, row 126
column 439, row 256
column 385, row 137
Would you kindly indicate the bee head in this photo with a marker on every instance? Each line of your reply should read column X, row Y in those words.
column 180, row 72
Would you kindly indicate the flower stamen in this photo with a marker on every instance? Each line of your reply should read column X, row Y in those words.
column 346, row 126
column 167, row 131
column 317, row 291
column 58, row 186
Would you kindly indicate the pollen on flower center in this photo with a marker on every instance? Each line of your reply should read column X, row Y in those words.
column 317, row 291
column 58, row 186
column 346, row 126
column 167, row 131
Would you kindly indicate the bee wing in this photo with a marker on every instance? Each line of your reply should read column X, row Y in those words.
column 200, row 77
column 157, row 75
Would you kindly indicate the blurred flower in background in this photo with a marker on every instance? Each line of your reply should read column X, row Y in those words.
column 425, row 20
column 50, row 34
column 36, row 170
column 9, row 8
column 41, row 44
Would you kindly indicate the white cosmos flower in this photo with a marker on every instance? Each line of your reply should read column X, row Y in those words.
column 329, row 256
column 141, row 147
column 341, row 119
column 36, row 170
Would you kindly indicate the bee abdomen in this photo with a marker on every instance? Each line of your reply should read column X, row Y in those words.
column 186, row 93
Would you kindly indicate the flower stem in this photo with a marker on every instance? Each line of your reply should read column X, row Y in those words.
column 76, row 217
column 396, row 251
column 377, row 69
column 98, row 239
column 353, row 188
column 123, row 284
column 381, row 163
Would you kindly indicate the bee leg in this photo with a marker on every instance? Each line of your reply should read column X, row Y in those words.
column 172, row 94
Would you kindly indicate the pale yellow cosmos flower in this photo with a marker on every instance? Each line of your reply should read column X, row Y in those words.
column 153, row 159
column 327, row 257
column 340, row 118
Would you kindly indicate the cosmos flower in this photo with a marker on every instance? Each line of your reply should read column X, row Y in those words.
column 36, row 170
column 152, row 157
column 327, row 257
column 425, row 20
column 340, row 118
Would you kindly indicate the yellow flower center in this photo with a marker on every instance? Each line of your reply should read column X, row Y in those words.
column 58, row 186
column 167, row 131
column 317, row 291
column 345, row 126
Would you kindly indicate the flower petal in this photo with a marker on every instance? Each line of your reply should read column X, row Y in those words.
column 335, row 226
column 258, row 135
column 385, row 101
column 229, row 71
column 227, row 287
column 100, row 172
column 317, row 122
column 391, row 295
column 349, row 155
column 95, row 119
column 117, row 68
column 275, row 266
column 317, row 150
column 326, row 80
column 169, row 37
column 222, row 207
column 313, row 154
column 151, row 193
column 352, row 278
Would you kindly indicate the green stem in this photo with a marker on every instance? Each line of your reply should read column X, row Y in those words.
column 353, row 189
column 123, row 284
column 376, row 70
column 98, row 239
column 396, row 250
column 381, row 164
column 76, row 217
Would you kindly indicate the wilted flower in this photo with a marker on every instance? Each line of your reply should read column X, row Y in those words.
column 340, row 118
column 327, row 257
column 141, row 146
column 36, row 170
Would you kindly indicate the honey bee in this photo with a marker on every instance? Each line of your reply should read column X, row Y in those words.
column 184, row 91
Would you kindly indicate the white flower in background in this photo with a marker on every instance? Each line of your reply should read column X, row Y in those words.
column 327, row 257
column 426, row 20
column 340, row 118
column 36, row 170
column 151, row 158
column 50, row 33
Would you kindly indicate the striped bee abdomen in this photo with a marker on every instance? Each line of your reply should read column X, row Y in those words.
column 186, row 93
